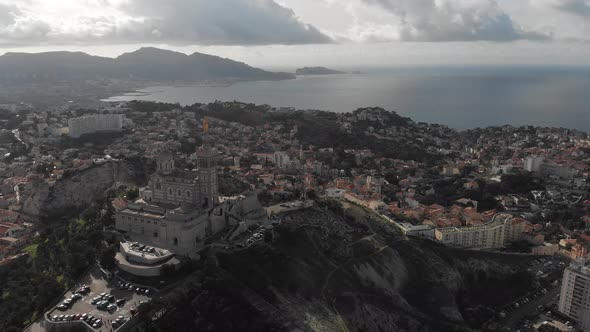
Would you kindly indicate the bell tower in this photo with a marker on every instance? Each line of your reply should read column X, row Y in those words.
column 165, row 163
column 207, row 158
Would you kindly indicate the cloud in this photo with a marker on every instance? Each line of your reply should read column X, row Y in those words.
column 443, row 21
column 224, row 22
column 15, row 25
column 576, row 7
column 179, row 22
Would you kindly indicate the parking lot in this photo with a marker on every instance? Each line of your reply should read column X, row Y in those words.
column 123, row 301
column 526, row 312
column 254, row 234
column 532, row 304
column 284, row 207
column 544, row 266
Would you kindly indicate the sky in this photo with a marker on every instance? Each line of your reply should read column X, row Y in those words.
column 291, row 33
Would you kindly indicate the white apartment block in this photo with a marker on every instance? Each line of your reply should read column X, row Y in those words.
column 561, row 171
column 281, row 159
column 533, row 163
column 574, row 300
column 90, row 124
column 502, row 229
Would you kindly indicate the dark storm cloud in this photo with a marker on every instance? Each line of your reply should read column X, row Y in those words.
column 454, row 20
column 223, row 22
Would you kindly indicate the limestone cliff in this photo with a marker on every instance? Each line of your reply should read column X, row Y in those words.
column 76, row 190
column 345, row 269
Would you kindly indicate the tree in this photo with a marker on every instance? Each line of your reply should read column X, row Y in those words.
column 168, row 270
column 392, row 178
column 108, row 218
column 132, row 194
column 311, row 194
column 107, row 258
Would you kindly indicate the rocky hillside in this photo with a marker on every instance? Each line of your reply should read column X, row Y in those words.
column 334, row 268
column 147, row 63
column 76, row 190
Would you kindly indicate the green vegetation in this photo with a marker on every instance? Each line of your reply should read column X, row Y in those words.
column 521, row 246
column 403, row 218
column 569, row 217
column 107, row 258
column 517, row 182
column 32, row 250
column 132, row 194
column 319, row 128
column 552, row 233
column 230, row 186
column 58, row 257
column 150, row 107
column 99, row 139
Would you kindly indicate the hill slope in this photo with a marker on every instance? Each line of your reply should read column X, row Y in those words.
column 332, row 269
column 150, row 64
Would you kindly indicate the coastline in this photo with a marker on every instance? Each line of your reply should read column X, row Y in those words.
column 458, row 99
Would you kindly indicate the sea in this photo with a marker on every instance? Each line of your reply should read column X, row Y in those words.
column 456, row 96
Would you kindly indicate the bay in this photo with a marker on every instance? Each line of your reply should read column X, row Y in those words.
column 460, row 97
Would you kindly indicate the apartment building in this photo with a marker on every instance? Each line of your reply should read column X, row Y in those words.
column 90, row 124
column 574, row 300
column 502, row 229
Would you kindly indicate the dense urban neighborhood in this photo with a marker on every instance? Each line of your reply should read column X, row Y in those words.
column 129, row 215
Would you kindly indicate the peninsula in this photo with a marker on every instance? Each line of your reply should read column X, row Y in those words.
column 317, row 71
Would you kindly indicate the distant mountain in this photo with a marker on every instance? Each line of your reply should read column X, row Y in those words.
column 147, row 64
column 317, row 71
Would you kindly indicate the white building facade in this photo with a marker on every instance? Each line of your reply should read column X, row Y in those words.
column 574, row 300
column 90, row 124
column 494, row 234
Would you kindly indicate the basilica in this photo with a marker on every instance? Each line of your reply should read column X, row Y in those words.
column 180, row 208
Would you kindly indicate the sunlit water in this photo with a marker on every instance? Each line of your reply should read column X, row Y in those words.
column 458, row 97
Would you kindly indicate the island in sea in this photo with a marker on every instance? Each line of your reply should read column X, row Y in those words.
column 317, row 71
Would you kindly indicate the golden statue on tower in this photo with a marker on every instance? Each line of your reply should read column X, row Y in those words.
column 205, row 125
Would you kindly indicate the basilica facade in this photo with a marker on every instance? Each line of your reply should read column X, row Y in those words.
column 180, row 208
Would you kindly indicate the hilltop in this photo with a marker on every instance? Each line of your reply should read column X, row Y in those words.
column 341, row 267
column 146, row 63
column 317, row 71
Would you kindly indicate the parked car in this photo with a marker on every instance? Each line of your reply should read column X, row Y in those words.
column 119, row 321
column 83, row 290
column 120, row 302
column 102, row 305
